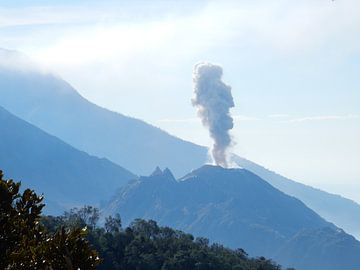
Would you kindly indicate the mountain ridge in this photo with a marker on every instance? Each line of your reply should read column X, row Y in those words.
column 91, row 128
column 335, row 208
column 236, row 208
column 67, row 176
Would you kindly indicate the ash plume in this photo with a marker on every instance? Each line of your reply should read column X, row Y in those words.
column 213, row 101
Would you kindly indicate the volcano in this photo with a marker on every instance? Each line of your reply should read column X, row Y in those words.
column 241, row 210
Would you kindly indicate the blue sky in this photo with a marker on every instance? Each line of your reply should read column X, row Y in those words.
column 293, row 67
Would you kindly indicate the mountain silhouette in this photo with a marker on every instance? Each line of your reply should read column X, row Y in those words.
column 67, row 177
column 53, row 105
column 239, row 209
column 343, row 212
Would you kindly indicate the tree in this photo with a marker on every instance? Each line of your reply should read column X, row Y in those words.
column 113, row 224
column 62, row 243
column 26, row 244
column 85, row 216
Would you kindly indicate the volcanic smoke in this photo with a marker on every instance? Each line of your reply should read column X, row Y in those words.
column 213, row 100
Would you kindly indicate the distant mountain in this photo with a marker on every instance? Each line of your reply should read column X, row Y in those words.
column 239, row 209
column 53, row 105
column 57, row 108
column 66, row 176
column 321, row 249
column 343, row 212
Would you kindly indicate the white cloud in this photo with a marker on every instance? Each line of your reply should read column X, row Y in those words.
column 115, row 43
column 14, row 60
column 45, row 15
column 278, row 115
column 323, row 118
column 107, row 36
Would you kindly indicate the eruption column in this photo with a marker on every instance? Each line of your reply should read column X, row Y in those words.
column 213, row 101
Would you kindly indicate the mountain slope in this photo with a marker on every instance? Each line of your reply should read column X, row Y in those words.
column 322, row 248
column 343, row 212
column 54, row 106
column 41, row 98
column 66, row 176
column 239, row 209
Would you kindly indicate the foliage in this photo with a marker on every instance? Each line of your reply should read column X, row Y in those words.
column 146, row 246
column 29, row 241
column 26, row 244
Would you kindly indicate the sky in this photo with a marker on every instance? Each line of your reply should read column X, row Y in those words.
column 293, row 67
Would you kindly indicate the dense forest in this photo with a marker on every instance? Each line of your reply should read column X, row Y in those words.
column 29, row 240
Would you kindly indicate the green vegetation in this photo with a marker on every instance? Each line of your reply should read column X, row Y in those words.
column 146, row 246
column 29, row 241
column 26, row 244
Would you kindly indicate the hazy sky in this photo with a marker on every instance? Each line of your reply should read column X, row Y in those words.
column 293, row 67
